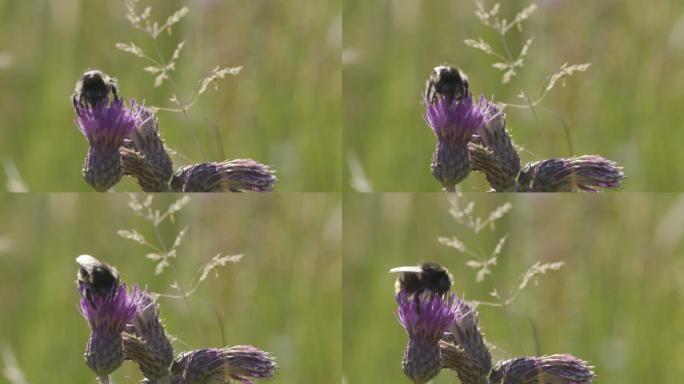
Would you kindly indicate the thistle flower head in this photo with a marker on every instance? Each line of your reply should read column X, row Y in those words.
column 243, row 363
column 143, row 155
column 456, row 120
column 108, row 315
column 228, row 176
column 425, row 317
column 147, row 343
column 106, row 125
column 466, row 335
column 588, row 173
column 493, row 153
column 110, row 312
column 553, row 369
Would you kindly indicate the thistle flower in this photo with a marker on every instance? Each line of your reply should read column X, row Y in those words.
column 492, row 152
column 425, row 318
column 108, row 315
column 243, row 363
column 144, row 156
column 234, row 176
column 105, row 126
column 454, row 122
column 589, row 173
column 466, row 334
column 553, row 369
column 147, row 343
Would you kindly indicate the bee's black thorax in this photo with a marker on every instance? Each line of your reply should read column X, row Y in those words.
column 446, row 82
column 97, row 280
column 92, row 88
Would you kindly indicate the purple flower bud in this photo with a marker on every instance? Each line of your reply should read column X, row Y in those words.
column 105, row 126
column 454, row 358
column 553, row 369
column 243, row 363
column 589, row 173
column 482, row 160
column 108, row 315
column 144, row 157
column 228, row 176
column 425, row 317
column 466, row 334
column 493, row 152
column 454, row 121
column 147, row 343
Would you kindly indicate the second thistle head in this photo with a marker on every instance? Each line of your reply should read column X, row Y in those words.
column 425, row 317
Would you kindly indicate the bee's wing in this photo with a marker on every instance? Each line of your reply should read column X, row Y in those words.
column 88, row 262
column 406, row 268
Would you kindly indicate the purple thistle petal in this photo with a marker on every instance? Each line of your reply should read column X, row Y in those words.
column 429, row 316
column 455, row 121
column 108, row 124
column 111, row 312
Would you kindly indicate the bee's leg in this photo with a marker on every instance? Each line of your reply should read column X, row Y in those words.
column 417, row 298
column 75, row 102
column 430, row 93
column 114, row 92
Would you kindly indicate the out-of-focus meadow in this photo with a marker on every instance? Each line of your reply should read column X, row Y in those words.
column 626, row 107
column 283, row 109
column 283, row 296
column 617, row 301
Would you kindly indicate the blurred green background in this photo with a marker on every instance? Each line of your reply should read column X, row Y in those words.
column 283, row 296
column 283, row 109
column 627, row 107
column 617, row 301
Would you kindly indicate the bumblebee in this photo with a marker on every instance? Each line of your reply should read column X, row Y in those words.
column 446, row 81
column 92, row 88
column 426, row 277
column 95, row 277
